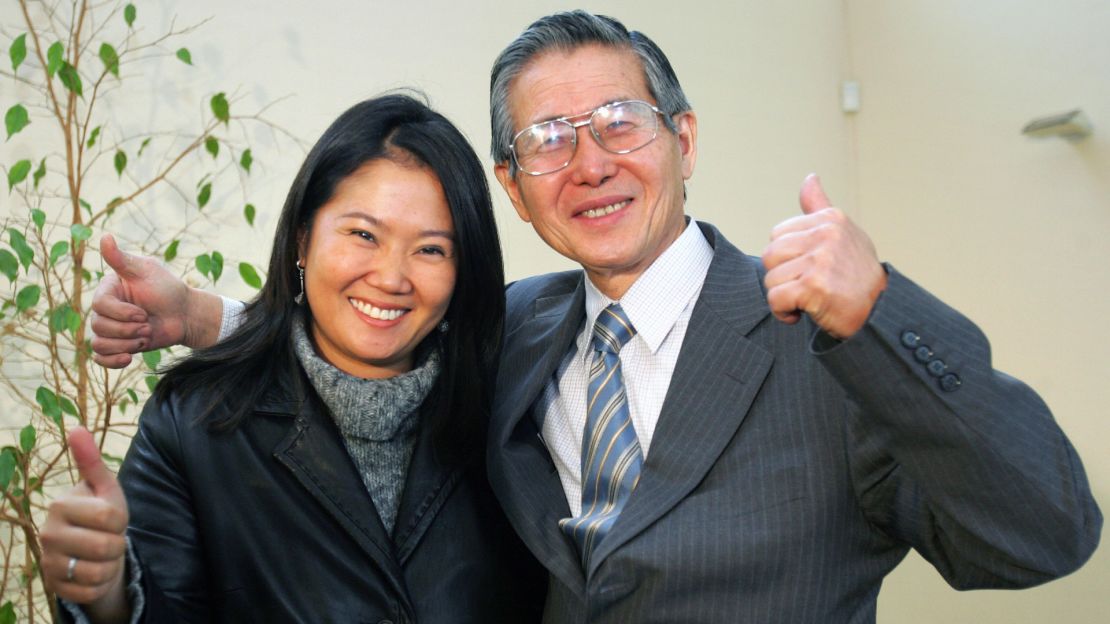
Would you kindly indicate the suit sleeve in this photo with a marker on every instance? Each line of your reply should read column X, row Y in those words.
column 163, row 527
column 960, row 461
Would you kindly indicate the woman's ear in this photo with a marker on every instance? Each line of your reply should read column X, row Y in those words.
column 302, row 246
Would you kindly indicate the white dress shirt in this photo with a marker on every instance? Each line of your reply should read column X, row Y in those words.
column 659, row 305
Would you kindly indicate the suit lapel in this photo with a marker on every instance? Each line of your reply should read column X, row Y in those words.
column 718, row 375
column 314, row 453
column 521, row 470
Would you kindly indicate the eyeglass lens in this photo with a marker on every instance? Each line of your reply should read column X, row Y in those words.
column 620, row 128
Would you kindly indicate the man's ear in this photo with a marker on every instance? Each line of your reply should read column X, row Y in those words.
column 512, row 189
column 687, row 124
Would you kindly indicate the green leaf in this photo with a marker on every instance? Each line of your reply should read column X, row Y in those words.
column 92, row 137
column 71, row 79
column 248, row 213
column 86, row 205
column 110, row 58
column 54, row 58
column 59, row 249
column 64, row 318
column 220, row 107
column 7, row 470
column 46, row 399
column 80, row 231
column 152, row 359
column 217, row 265
column 151, row 382
column 183, row 54
column 58, row 318
column 18, row 173
column 16, row 119
column 8, row 265
column 73, row 320
column 134, row 396
column 40, row 172
column 17, row 52
column 28, row 297
column 204, row 264
column 68, row 406
column 120, row 161
column 204, row 195
column 171, row 251
column 249, row 275
column 20, row 246
column 28, row 434
column 129, row 14
column 39, row 217
column 245, row 160
column 142, row 147
column 212, row 145
column 112, row 459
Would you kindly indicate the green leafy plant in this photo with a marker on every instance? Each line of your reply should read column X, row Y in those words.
column 88, row 171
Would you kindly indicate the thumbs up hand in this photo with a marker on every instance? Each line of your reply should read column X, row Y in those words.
column 82, row 540
column 139, row 307
column 822, row 264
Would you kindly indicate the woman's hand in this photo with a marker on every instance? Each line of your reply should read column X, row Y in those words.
column 83, row 547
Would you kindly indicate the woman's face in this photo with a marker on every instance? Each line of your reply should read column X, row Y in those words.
column 379, row 268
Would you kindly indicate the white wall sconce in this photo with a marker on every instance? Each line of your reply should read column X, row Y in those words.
column 1073, row 126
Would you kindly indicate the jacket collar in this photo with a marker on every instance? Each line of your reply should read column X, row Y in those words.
column 313, row 450
column 718, row 375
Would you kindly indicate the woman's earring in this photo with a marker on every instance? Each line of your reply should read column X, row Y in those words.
column 299, row 299
column 443, row 326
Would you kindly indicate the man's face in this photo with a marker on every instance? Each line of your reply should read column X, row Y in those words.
column 573, row 209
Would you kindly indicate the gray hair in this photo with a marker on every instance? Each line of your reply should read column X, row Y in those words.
column 567, row 32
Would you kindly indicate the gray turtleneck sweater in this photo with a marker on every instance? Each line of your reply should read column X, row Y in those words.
column 378, row 419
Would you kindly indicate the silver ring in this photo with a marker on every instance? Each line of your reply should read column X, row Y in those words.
column 70, row 568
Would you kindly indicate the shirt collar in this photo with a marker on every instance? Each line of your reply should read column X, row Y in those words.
column 656, row 299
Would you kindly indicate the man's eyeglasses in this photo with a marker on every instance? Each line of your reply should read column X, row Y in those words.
column 619, row 127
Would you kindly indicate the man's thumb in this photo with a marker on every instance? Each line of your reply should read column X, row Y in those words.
column 91, row 467
column 121, row 262
column 812, row 196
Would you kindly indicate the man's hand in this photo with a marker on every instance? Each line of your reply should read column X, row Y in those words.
column 822, row 264
column 82, row 540
column 142, row 306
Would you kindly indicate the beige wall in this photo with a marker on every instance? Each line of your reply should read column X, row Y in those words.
column 1007, row 229
column 1010, row 230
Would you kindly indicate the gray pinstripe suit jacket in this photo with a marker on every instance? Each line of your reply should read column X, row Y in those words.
column 788, row 476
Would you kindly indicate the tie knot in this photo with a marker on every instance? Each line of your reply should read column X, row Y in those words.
column 612, row 329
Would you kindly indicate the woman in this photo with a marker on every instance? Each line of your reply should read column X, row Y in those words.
column 324, row 463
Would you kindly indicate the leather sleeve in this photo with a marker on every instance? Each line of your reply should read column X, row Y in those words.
column 162, row 522
column 960, row 461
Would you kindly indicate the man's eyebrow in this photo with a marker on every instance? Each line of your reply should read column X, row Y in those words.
column 559, row 117
column 376, row 222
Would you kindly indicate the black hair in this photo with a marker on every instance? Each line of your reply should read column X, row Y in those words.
column 235, row 373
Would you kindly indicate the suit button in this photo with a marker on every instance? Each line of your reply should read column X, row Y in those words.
column 950, row 382
column 910, row 339
column 923, row 354
column 936, row 367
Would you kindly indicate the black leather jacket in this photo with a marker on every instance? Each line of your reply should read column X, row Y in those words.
column 271, row 523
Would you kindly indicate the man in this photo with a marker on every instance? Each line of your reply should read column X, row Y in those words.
column 669, row 450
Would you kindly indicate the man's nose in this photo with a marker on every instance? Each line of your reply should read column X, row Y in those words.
column 592, row 164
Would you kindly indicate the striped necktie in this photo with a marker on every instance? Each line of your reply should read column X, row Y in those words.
column 611, row 456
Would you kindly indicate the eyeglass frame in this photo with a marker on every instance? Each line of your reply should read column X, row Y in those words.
column 588, row 121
